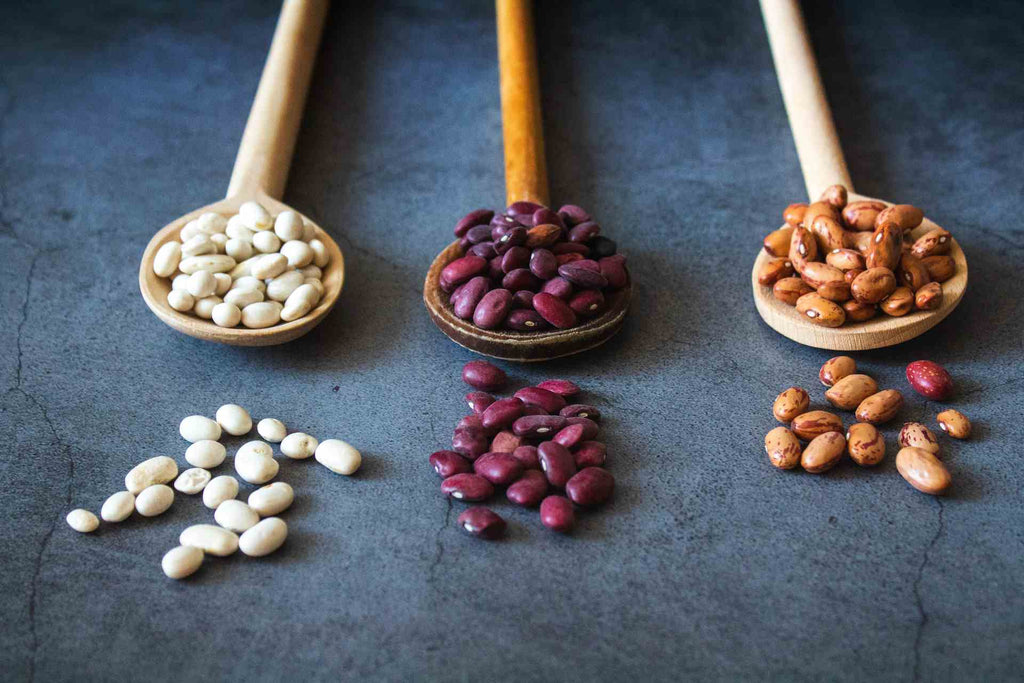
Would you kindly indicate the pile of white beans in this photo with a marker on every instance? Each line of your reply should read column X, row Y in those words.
column 250, row 269
column 251, row 526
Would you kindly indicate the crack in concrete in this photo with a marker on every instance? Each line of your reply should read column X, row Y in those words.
column 6, row 224
column 923, row 620
column 439, row 546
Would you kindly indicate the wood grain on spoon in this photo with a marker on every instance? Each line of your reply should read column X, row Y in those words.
column 260, row 174
column 526, row 179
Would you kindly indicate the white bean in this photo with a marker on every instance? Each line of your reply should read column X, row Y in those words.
column 299, row 303
column 206, row 453
column 118, row 507
column 321, row 257
column 180, row 300
column 154, row 500
column 198, row 245
column 254, row 464
column 249, row 282
column 312, row 272
column 298, row 253
column 236, row 516
column 266, row 242
column 299, row 446
column 237, row 230
column 226, row 315
column 202, row 284
column 255, row 216
column 338, row 456
column 224, row 487
column 268, row 266
column 212, row 223
column 158, row 470
column 204, row 307
column 272, row 430
column 220, row 242
column 234, row 419
column 242, row 297
column 223, row 283
column 238, row 250
column 190, row 230
column 317, row 285
column 210, row 538
column 262, row 314
column 288, row 226
column 167, row 258
column 243, row 268
column 180, row 282
column 82, row 521
column 272, row 499
column 215, row 263
column 264, row 538
column 281, row 287
column 192, row 481
column 308, row 231
column 198, row 427
column 182, row 561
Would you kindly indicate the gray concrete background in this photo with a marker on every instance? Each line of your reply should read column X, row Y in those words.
column 666, row 121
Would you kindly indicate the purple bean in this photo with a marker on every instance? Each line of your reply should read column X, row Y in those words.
column 464, row 244
column 546, row 216
column 590, row 454
column 556, row 513
column 502, row 413
column 468, row 297
column 589, row 264
column 525, row 320
column 523, row 299
column 590, row 486
column 501, row 469
column 590, row 428
column 559, row 287
column 482, row 523
column 520, row 278
column 447, row 463
column 494, row 270
column 471, row 422
column 543, row 264
column 515, row 237
column 548, row 400
column 523, row 208
column 557, row 463
column 584, row 232
column 554, row 310
column 505, row 441
column 469, row 442
column 601, row 246
column 570, row 248
column 588, row 303
column 572, row 214
column 529, row 490
column 536, row 410
column 479, row 233
column 493, row 309
column 614, row 270
column 478, row 401
column 527, row 455
column 499, row 231
column 562, row 387
column 516, row 257
column 480, row 374
column 501, row 219
column 467, row 487
column 538, row 426
column 569, row 436
column 580, row 410
column 472, row 219
column 582, row 276
column 460, row 270
column 484, row 250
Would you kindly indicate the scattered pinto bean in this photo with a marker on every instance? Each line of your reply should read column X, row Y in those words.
column 954, row 423
column 790, row 289
column 848, row 392
column 880, row 407
column 820, row 310
column 773, row 270
column 815, row 423
column 916, row 435
column 923, row 471
column 556, row 513
column 482, row 523
column 790, row 403
column 823, row 452
column 783, row 448
column 865, row 444
column 835, row 369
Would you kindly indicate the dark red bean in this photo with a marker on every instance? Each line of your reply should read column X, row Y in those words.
column 493, row 309
column 520, row 278
column 614, row 270
column 588, row 303
column 448, row 463
column 590, row 454
column 548, row 400
column 534, row 410
column 559, row 287
column 590, row 428
column 562, row 259
column 582, row 276
column 478, row 234
column 554, row 310
column 482, row 523
column 543, row 264
column 601, row 246
column 454, row 296
column 573, row 214
column 504, row 220
column 468, row 296
column 529, row 490
column 562, row 387
column 484, row 250
column 470, row 422
column 467, row 487
column 589, row 264
column 516, row 257
column 523, row 299
column 528, row 456
column 570, row 248
column 584, row 232
column 499, row 231
column 545, row 215
column 523, row 208
column 556, row 513
column 538, row 426
column 569, row 436
column 515, row 237
column 470, row 442
column 480, row 374
column 494, row 270
column 557, row 463
column 464, row 244
column 478, row 401
column 472, row 219
column 502, row 413
column 590, row 486
column 460, row 270
column 505, row 441
column 580, row 410
column 501, row 469
column 525, row 320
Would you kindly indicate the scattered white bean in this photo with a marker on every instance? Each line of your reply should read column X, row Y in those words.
column 82, row 521
column 266, row 242
column 206, row 453
column 299, row 303
column 338, row 456
column 158, row 470
column 236, row 516
column 154, row 500
column 167, row 258
column 226, row 315
column 192, row 481
column 182, row 561
column 198, row 245
column 238, row 249
column 268, row 266
column 204, row 307
column 281, row 287
column 299, row 446
column 202, row 284
column 180, row 300
column 321, row 257
column 255, row 463
column 118, row 507
column 262, row 314
column 211, row 539
column 198, row 427
column 264, row 538
column 234, row 419
column 272, row 430
column 243, row 297
column 224, row 487
column 272, row 499
column 215, row 263
column 288, row 226
column 212, row 223
column 223, row 283
column 255, row 216
column 298, row 253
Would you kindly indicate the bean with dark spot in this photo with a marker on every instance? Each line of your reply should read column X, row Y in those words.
column 480, row 374
column 501, row 469
column 529, row 490
column 525, row 320
column 590, row 486
column 556, row 513
column 502, row 413
column 582, row 276
column 482, row 523
column 553, row 309
column 557, row 463
column 492, row 309
column 601, row 246
column 538, row 426
column 548, row 400
column 590, row 454
column 468, row 487
column 543, row 264
column 448, row 463
column 478, row 401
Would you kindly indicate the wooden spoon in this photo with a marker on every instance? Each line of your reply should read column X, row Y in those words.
column 526, row 179
column 822, row 163
column 260, row 173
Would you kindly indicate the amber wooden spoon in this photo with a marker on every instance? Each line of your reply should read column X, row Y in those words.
column 526, row 179
column 260, row 174
column 822, row 163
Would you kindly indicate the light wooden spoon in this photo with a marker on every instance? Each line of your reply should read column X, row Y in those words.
column 822, row 163
column 260, row 173
column 526, row 179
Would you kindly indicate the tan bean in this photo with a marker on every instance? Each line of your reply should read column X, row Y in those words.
column 865, row 444
column 861, row 241
column 852, row 274
column 829, row 233
column 845, row 259
column 929, row 297
column 776, row 242
column 836, row 368
column 954, row 423
column 886, row 247
column 899, row 303
column 790, row 289
column 835, row 195
column 861, row 215
column 940, row 267
column 783, row 448
column 912, row 272
column 923, row 471
column 916, row 435
column 820, row 310
column 790, row 403
column 906, row 216
column 873, row 285
column 815, row 423
column 934, row 242
column 818, row 209
column 880, row 407
column 817, row 273
column 773, row 270
column 848, row 392
column 859, row 312
column 835, row 291
column 823, row 452
column 794, row 214
column 803, row 248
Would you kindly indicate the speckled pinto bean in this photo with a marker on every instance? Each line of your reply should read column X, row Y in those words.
column 471, row 488
column 470, row 442
column 845, row 259
column 482, row 523
column 783, row 448
column 467, row 297
column 940, row 267
column 820, row 310
column 480, row 374
column 886, row 247
column 916, row 435
column 794, row 214
column 923, row 471
column 556, row 462
column 557, row 514
column 773, row 270
column 502, row 413
column 478, row 401
column 776, row 243
column 548, row 400
column 790, row 289
column 861, row 215
column 912, row 272
column 562, row 387
column 790, row 403
column 829, row 233
column 815, row 423
column 529, row 490
column 569, row 436
column 449, row 463
column 528, row 456
column 865, row 444
column 848, row 392
column 501, row 469
column 929, row 297
column 505, row 441
column 538, row 426
column 836, row 368
column 803, row 248
column 873, row 285
column 881, row 407
column 590, row 486
column 823, row 452
column 954, row 423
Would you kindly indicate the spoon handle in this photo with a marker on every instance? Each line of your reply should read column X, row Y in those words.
column 810, row 119
column 526, row 174
column 265, row 152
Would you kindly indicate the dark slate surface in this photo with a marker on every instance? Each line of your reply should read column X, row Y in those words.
column 663, row 118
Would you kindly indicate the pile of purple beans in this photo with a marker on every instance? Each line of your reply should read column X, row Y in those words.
column 532, row 268
column 535, row 443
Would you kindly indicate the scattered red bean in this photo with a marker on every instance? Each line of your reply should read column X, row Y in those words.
column 447, row 463
column 538, row 426
column 590, row 486
column 482, row 523
column 930, row 379
column 501, row 469
column 529, row 490
column 554, row 310
column 468, row 487
column 562, row 387
column 590, row 428
column 480, row 374
column 478, row 401
column 557, row 463
column 470, row 442
column 528, row 456
column 505, row 442
column 570, row 435
column 502, row 413
column 556, row 513
column 590, row 454
column 548, row 400
column 580, row 410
